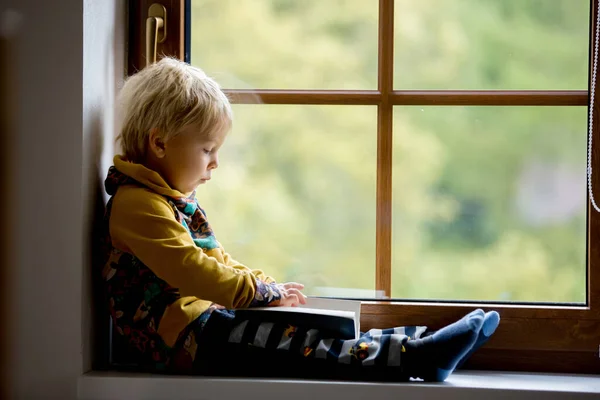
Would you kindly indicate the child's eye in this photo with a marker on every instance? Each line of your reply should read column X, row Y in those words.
column 207, row 151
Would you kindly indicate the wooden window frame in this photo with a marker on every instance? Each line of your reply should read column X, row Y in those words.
column 540, row 338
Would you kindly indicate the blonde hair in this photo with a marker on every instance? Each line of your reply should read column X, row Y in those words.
column 169, row 96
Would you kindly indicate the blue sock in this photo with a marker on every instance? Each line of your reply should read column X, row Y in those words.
column 435, row 357
column 490, row 323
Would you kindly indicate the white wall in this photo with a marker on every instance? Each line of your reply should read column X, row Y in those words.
column 104, row 70
column 65, row 83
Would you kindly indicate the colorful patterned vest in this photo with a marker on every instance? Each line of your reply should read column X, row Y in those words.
column 137, row 298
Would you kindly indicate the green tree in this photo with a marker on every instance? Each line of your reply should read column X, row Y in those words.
column 489, row 202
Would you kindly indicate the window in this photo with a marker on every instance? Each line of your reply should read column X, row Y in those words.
column 427, row 157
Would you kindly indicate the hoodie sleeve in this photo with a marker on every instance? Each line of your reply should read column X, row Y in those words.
column 143, row 224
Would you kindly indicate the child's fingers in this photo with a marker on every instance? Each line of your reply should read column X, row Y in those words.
column 293, row 285
column 301, row 298
column 292, row 299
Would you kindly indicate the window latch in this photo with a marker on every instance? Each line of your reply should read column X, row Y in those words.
column 156, row 30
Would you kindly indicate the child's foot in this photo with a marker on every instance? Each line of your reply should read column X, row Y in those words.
column 435, row 357
column 490, row 323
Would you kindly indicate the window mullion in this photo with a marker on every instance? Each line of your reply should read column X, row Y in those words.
column 490, row 97
column 383, row 277
column 304, row 97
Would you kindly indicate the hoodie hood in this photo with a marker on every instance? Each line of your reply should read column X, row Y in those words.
column 124, row 172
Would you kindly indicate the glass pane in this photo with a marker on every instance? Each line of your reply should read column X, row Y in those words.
column 294, row 195
column 286, row 44
column 491, row 44
column 490, row 203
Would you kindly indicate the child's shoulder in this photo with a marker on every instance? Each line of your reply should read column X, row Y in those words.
column 138, row 199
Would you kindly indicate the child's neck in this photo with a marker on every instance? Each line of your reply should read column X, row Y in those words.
column 153, row 163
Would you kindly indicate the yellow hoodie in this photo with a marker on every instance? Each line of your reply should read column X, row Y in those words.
column 146, row 224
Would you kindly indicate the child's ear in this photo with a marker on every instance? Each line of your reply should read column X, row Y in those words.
column 156, row 144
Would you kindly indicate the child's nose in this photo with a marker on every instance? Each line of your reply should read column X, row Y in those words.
column 215, row 162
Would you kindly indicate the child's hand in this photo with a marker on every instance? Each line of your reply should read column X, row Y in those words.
column 291, row 296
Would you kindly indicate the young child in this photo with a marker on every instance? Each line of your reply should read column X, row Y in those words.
column 171, row 287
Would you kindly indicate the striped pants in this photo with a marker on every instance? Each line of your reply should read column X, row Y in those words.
column 229, row 345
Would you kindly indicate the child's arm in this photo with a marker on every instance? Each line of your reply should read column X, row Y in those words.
column 142, row 223
column 256, row 272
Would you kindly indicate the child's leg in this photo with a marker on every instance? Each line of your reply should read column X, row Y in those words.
column 413, row 332
column 490, row 323
column 235, row 347
column 435, row 357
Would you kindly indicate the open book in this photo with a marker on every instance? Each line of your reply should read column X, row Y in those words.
column 340, row 318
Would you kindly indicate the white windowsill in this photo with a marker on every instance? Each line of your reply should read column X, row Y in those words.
column 461, row 385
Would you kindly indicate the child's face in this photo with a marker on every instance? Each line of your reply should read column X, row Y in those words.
column 189, row 158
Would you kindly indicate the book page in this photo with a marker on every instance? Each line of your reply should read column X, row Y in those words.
column 332, row 304
column 308, row 310
column 316, row 305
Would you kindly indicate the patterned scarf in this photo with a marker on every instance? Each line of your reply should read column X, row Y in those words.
column 186, row 209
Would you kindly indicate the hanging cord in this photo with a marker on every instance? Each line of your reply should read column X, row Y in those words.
column 591, row 110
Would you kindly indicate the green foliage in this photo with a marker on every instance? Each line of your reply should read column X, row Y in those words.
column 488, row 202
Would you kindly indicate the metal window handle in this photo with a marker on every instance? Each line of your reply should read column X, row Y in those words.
column 156, row 30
